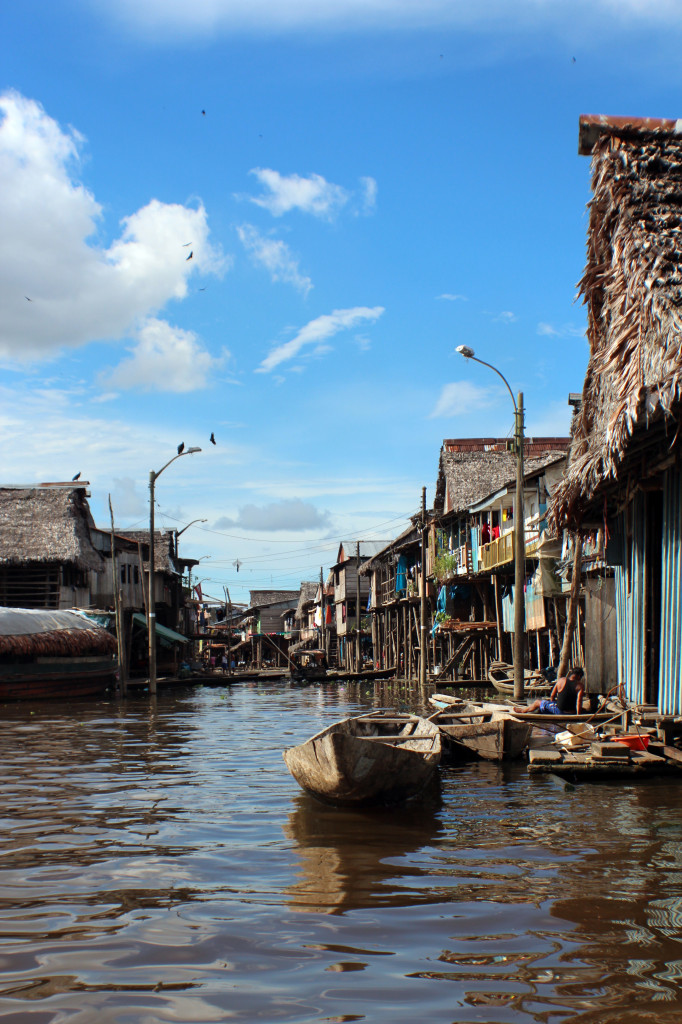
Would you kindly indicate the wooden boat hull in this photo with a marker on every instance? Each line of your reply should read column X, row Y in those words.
column 370, row 759
column 56, row 677
column 492, row 736
column 538, row 719
column 501, row 676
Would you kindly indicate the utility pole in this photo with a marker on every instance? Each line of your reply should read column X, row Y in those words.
column 323, row 629
column 228, row 623
column 423, row 654
column 120, row 637
column 519, row 559
column 358, row 648
column 151, row 605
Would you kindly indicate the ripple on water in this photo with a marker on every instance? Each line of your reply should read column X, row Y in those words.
column 158, row 863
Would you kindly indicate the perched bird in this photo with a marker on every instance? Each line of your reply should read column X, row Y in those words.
column 181, row 448
column 190, row 256
column 75, row 477
column 212, row 438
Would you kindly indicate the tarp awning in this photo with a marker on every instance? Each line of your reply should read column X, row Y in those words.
column 161, row 631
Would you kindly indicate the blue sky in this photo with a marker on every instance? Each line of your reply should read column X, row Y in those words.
column 362, row 184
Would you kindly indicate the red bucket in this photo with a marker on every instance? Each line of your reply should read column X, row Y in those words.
column 634, row 741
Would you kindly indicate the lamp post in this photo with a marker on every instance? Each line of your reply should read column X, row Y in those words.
column 189, row 575
column 151, row 610
column 519, row 538
column 178, row 532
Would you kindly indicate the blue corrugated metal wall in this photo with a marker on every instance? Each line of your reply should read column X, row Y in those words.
column 670, row 666
column 630, row 601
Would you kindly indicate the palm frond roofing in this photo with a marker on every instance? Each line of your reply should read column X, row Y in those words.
column 46, row 525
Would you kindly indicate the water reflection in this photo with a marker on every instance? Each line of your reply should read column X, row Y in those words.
column 347, row 857
column 158, row 863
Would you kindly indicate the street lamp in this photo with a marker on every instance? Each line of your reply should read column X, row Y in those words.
column 178, row 532
column 189, row 574
column 151, row 611
column 519, row 538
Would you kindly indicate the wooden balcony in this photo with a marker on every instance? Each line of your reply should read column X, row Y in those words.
column 497, row 552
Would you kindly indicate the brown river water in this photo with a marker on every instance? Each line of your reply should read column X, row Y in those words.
column 158, row 863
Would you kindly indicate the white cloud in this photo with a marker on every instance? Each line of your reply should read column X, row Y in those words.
column 312, row 195
column 369, row 198
column 570, row 330
column 506, row 317
column 275, row 255
column 317, row 331
column 453, row 298
column 268, row 16
column 461, row 398
column 58, row 285
column 165, row 358
column 290, row 514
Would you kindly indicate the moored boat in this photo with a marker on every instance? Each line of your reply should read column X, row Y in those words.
column 53, row 654
column 376, row 758
column 483, row 730
column 501, row 675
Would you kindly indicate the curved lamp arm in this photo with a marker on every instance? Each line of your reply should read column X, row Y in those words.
column 468, row 353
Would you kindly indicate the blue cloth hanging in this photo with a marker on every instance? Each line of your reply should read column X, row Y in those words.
column 401, row 575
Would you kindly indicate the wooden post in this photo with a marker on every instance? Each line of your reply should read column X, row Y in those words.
column 358, row 642
column 572, row 612
column 323, row 629
column 120, row 638
column 229, row 632
column 498, row 617
column 423, row 657
column 519, row 559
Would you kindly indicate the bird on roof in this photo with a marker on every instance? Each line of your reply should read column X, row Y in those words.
column 189, row 257
column 212, row 438
column 181, row 447
column 75, row 477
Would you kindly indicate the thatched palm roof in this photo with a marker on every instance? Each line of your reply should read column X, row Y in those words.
column 164, row 541
column 467, row 476
column 632, row 287
column 46, row 525
column 262, row 598
column 307, row 594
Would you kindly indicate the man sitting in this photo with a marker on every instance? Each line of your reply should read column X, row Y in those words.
column 566, row 697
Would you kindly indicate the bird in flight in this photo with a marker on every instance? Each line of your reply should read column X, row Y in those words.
column 189, row 257
column 181, row 448
column 186, row 245
column 212, row 438
column 27, row 298
column 75, row 477
column 204, row 113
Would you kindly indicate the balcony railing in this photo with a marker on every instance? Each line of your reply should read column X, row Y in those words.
column 497, row 552
column 501, row 550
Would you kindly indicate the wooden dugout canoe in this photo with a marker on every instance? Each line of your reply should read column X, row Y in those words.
column 377, row 758
column 487, row 731
column 501, row 675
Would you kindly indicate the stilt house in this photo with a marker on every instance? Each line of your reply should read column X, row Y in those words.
column 46, row 553
column 471, row 555
column 625, row 476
